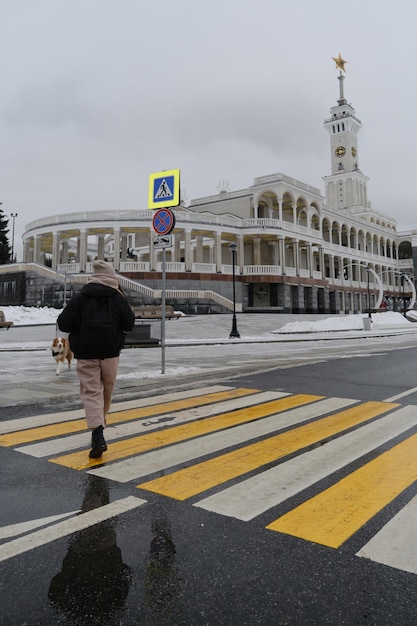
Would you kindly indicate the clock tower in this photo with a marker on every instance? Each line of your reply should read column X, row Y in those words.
column 346, row 186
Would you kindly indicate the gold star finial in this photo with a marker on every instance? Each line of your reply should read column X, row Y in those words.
column 340, row 63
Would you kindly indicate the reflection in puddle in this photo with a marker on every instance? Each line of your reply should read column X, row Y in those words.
column 94, row 582
column 163, row 585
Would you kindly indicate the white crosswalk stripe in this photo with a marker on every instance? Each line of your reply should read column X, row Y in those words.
column 159, row 449
column 147, row 463
column 67, row 527
column 396, row 543
column 71, row 442
column 254, row 496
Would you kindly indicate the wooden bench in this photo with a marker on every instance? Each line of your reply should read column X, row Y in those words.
column 154, row 312
column 3, row 323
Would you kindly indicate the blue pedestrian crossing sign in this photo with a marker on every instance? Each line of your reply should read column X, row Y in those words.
column 164, row 189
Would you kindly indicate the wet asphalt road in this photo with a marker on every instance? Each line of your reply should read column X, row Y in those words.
column 102, row 551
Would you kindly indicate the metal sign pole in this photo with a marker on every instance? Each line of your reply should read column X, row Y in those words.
column 163, row 311
column 164, row 188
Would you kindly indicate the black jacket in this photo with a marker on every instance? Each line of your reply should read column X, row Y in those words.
column 70, row 319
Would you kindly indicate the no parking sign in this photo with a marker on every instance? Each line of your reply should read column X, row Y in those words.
column 163, row 221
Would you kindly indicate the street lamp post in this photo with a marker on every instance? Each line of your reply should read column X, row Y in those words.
column 234, row 333
column 13, row 216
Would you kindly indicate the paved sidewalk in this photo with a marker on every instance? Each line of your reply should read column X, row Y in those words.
column 196, row 348
column 211, row 329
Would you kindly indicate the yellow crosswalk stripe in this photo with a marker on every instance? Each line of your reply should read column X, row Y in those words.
column 335, row 514
column 183, row 432
column 117, row 417
column 192, row 480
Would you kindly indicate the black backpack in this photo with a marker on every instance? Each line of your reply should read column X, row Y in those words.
column 100, row 327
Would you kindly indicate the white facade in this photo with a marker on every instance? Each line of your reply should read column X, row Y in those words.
column 297, row 250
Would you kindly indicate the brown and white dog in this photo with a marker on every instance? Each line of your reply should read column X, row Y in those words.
column 60, row 351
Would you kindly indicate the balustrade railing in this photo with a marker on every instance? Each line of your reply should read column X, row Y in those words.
column 134, row 266
column 261, row 269
column 171, row 266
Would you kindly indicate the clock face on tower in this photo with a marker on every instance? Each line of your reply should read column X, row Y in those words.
column 340, row 151
column 353, row 152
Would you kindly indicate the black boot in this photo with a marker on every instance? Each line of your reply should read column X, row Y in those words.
column 98, row 443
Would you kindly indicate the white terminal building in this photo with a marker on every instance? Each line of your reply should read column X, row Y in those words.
column 297, row 250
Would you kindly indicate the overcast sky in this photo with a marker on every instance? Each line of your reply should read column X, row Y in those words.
column 98, row 94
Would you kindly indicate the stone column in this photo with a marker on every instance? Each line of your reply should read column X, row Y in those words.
column 281, row 255
column 296, row 253
column 240, row 254
column 309, row 253
column 177, row 248
column 55, row 250
column 37, row 249
column 355, row 241
column 188, row 254
column 116, row 241
column 64, row 251
column 124, row 237
column 27, row 251
column 274, row 252
column 199, row 249
column 100, row 247
column 257, row 251
column 280, row 212
column 322, row 262
column 331, row 266
column 218, row 251
column 83, row 249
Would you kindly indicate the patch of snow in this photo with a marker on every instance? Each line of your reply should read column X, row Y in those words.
column 33, row 316
column 156, row 373
column 344, row 322
column 30, row 315
column 411, row 315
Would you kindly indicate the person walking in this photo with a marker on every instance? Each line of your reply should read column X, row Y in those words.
column 96, row 320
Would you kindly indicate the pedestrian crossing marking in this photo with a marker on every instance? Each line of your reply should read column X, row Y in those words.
column 255, row 495
column 395, row 544
column 335, row 514
column 78, row 425
column 13, row 530
column 174, row 434
column 53, row 447
column 24, row 423
column 160, row 460
column 68, row 527
column 190, row 481
column 209, row 424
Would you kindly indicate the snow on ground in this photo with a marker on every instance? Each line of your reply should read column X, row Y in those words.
column 344, row 322
column 33, row 316
column 29, row 316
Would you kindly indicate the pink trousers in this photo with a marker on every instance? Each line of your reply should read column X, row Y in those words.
column 97, row 379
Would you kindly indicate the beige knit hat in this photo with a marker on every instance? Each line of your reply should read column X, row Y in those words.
column 105, row 274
